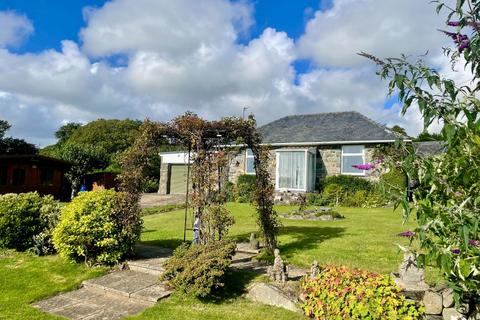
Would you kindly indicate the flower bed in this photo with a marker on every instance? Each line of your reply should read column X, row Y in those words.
column 319, row 214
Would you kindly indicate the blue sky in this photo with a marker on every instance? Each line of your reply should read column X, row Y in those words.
column 56, row 20
column 160, row 58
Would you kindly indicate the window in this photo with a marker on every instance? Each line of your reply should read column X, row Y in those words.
column 296, row 170
column 18, row 177
column 352, row 155
column 249, row 167
column 3, row 175
column 46, row 176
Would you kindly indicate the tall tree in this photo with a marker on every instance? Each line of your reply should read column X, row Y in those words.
column 66, row 131
column 9, row 145
column 399, row 130
column 427, row 136
column 84, row 159
column 4, row 126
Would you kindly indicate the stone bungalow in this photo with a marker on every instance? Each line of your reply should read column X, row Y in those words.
column 304, row 149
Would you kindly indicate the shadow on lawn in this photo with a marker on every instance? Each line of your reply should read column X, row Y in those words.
column 307, row 237
column 166, row 243
column 236, row 283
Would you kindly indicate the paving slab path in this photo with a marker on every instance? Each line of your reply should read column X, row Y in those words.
column 149, row 200
column 118, row 294
column 128, row 292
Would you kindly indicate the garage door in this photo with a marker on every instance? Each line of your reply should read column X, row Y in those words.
column 178, row 179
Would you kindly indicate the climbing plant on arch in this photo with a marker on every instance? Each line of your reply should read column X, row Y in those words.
column 206, row 140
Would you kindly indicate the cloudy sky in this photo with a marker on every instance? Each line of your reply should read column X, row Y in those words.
column 80, row 60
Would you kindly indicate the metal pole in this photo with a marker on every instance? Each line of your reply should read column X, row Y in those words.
column 186, row 196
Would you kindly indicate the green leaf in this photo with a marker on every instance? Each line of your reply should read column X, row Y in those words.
column 421, row 260
column 464, row 268
column 439, row 7
column 465, row 231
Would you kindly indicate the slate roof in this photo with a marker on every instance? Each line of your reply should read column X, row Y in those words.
column 429, row 148
column 324, row 128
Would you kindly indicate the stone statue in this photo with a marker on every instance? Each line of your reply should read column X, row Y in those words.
column 314, row 270
column 197, row 225
column 254, row 243
column 278, row 272
column 410, row 276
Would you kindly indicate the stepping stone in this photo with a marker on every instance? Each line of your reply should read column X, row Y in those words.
column 271, row 295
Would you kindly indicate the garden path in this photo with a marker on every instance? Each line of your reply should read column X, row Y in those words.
column 128, row 291
column 150, row 200
column 117, row 294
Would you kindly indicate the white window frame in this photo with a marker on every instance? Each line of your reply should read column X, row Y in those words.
column 277, row 169
column 360, row 172
column 247, row 156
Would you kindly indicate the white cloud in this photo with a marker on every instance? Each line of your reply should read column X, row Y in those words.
column 185, row 55
column 380, row 27
column 14, row 28
column 174, row 28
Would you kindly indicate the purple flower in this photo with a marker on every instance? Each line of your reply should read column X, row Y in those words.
column 465, row 44
column 453, row 23
column 366, row 166
column 455, row 251
column 406, row 234
column 461, row 40
column 474, row 243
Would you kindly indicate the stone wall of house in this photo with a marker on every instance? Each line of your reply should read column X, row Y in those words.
column 329, row 160
column 328, row 164
column 237, row 165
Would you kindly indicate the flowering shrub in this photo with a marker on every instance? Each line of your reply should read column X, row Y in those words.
column 90, row 231
column 447, row 200
column 342, row 293
column 25, row 218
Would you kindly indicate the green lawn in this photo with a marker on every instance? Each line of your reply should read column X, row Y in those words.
column 365, row 239
column 25, row 278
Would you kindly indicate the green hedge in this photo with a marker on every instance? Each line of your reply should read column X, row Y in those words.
column 27, row 219
column 350, row 184
column 89, row 231
column 348, row 191
column 245, row 187
column 394, row 181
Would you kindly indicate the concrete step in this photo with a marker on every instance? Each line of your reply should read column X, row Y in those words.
column 130, row 284
column 149, row 266
column 242, row 257
column 246, row 248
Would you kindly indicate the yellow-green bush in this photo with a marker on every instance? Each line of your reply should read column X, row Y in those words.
column 24, row 217
column 89, row 231
column 343, row 293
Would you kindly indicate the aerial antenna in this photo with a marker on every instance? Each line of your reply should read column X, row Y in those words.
column 243, row 112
